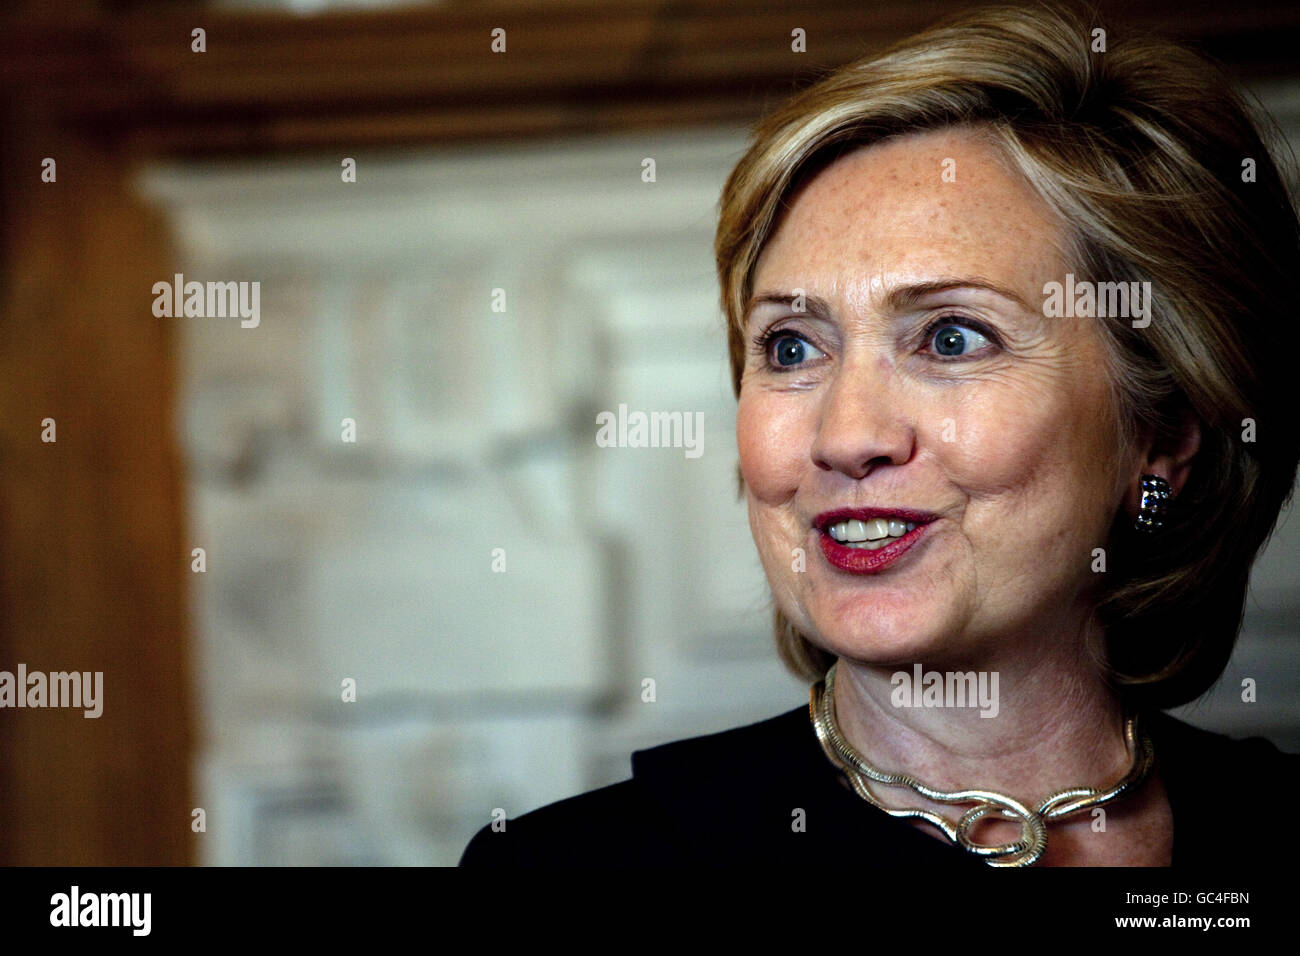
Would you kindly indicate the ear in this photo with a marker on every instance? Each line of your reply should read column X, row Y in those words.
column 1169, row 457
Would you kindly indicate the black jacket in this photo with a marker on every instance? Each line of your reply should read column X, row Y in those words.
column 732, row 797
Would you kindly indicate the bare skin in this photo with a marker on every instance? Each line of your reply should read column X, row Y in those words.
column 860, row 401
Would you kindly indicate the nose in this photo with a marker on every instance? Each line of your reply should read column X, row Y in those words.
column 863, row 422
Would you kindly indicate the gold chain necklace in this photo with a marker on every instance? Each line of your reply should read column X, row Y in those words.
column 1033, row 823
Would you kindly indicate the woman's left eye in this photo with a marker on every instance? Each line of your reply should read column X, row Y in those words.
column 955, row 339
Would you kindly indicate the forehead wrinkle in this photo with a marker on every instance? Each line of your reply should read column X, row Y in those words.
column 855, row 242
column 897, row 287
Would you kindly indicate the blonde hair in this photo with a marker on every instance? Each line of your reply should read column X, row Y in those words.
column 1144, row 149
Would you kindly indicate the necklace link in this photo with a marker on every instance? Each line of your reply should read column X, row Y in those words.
column 1033, row 822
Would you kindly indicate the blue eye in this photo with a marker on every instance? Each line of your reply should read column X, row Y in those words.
column 951, row 339
column 786, row 350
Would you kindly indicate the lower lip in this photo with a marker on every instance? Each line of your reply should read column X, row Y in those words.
column 862, row 561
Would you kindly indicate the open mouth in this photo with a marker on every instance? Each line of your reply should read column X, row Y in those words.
column 863, row 525
column 871, row 534
column 850, row 535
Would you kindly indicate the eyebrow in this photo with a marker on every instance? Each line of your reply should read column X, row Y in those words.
column 899, row 298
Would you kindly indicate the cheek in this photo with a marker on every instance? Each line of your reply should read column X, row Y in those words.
column 991, row 442
column 774, row 442
column 1038, row 449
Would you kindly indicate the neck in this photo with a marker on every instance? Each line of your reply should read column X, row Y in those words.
column 1057, row 726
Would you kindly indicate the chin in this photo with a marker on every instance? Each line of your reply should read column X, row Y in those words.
column 893, row 653
column 863, row 629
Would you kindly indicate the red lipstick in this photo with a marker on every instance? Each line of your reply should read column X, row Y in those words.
column 861, row 560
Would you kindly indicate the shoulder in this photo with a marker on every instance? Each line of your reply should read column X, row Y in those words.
column 702, row 754
column 1182, row 747
column 649, row 819
column 1205, row 775
column 565, row 832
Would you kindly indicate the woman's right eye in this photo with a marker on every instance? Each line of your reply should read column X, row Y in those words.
column 787, row 350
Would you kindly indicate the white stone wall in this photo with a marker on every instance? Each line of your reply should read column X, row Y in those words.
column 475, row 431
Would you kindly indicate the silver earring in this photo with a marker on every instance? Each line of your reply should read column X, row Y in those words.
column 1156, row 495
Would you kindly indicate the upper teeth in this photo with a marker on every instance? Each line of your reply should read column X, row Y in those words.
column 854, row 531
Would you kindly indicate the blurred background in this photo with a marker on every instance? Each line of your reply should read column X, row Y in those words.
column 466, row 255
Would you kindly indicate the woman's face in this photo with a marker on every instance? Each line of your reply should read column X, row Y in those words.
column 922, row 376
